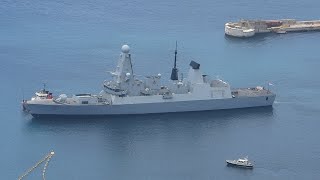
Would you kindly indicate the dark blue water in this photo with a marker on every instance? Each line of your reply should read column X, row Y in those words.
column 71, row 44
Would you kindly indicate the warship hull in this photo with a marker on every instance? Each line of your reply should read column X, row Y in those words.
column 168, row 106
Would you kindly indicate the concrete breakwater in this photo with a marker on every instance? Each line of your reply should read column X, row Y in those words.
column 248, row 28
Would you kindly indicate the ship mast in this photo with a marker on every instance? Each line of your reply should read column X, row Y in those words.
column 174, row 73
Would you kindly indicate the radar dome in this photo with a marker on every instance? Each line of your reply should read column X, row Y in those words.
column 125, row 48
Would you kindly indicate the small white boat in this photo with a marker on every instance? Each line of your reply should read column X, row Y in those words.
column 241, row 162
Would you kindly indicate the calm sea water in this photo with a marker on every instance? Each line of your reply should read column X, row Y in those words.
column 71, row 44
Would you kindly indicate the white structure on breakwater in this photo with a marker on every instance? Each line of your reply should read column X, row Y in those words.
column 248, row 28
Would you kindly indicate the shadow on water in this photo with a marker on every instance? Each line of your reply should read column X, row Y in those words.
column 222, row 117
column 266, row 37
column 139, row 138
column 239, row 170
column 256, row 39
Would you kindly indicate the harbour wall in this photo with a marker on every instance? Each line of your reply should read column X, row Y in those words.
column 248, row 28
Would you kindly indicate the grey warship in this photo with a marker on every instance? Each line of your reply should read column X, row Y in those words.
column 126, row 94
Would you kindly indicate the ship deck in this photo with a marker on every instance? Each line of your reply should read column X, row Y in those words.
column 250, row 92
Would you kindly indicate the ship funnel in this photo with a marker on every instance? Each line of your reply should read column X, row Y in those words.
column 194, row 65
column 174, row 73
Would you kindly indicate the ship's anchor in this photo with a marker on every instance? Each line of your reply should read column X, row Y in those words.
column 45, row 159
